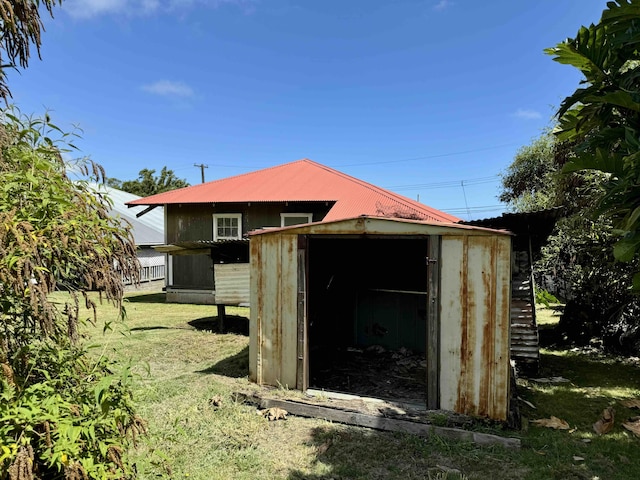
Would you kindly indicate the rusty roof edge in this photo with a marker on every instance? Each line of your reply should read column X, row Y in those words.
column 433, row 223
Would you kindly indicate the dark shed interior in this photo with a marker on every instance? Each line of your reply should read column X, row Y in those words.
column 367, row 304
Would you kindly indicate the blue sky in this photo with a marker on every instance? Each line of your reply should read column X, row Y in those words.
column 429, row 98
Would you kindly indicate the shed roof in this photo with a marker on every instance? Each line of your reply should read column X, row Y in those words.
column 148, row 229
column 302, row 181
column 371, row 225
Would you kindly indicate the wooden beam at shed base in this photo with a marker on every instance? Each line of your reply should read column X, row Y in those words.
column 384, row 423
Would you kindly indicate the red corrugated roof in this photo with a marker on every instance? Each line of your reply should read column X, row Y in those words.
column 304, row 181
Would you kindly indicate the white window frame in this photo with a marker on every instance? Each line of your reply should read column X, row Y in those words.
column 289, row 215
column 217, row 216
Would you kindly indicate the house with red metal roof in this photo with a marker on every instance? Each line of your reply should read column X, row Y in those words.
column 207, row 225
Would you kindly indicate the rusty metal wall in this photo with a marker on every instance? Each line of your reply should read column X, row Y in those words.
column 231, row 283
column 474, row 325
column 274, row 310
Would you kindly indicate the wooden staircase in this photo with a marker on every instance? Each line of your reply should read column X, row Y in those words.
column 524, row 329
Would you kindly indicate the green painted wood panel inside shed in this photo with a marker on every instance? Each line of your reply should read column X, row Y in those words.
column 391, row 319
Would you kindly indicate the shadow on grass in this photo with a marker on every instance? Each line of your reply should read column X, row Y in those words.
column 155, row 327
column 236, row 366
column 159, row 297
column 232, row 324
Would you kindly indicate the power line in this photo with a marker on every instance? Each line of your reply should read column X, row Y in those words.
column 466, row 204
column 446, row 184
column 485, row 208
column 426, row 157
column 381, row 162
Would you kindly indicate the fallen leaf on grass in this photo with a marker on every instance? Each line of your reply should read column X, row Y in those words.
column 633, row 403
column 216, row 401
column 553, row 422
column 605, row 422
column 633, row 427
column 527, row 403
column 322, row 448
column 551, row 380
column 274, row 413
column 448, row 470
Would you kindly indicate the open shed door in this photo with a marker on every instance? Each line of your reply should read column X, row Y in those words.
column 365, row 315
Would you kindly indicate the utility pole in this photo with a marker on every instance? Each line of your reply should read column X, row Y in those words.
column 202, row 167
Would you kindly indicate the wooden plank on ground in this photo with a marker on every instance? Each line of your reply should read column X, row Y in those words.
column 387, row 424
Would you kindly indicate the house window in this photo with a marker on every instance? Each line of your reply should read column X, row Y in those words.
column 288, row 219
column 227, row 226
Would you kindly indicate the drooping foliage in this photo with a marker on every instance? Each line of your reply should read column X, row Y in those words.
column 148, row 183
column 63, row 413
column 601, row 119
column 20, row 28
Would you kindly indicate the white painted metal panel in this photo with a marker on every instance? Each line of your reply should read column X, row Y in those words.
column 232, row 283
column 452, row 317
column 474, row 326
column 274, row 310
column 289, row 309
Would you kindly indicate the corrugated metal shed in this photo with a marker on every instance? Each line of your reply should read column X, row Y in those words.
column 303, row 181
column 347, row 286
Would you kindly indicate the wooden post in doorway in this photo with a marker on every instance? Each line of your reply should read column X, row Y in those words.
column 433, row 323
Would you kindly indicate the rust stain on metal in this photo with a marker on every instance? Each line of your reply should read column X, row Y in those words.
column 488, row 328
column 463, row 383
column 502, row 365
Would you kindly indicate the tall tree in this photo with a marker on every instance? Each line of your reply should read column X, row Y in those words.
column 20, row 28
column 602, row 117
column 148, row 183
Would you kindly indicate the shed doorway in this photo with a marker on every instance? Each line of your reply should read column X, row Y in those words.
column 367, row 316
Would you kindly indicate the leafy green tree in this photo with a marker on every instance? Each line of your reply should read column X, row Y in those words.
column 20, row 28
column 529, row 182
column 148, row 183
column 578, row 255
column 602, row 117
column 63, row 413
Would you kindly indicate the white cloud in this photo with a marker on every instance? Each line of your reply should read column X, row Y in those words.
column 167, row 88
column 527, row 114
column 442, row 5
column 84, row 9
column 93, row 8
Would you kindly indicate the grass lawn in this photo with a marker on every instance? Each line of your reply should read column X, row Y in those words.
column 181, row 368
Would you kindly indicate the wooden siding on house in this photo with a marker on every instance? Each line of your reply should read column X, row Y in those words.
column 194, row 222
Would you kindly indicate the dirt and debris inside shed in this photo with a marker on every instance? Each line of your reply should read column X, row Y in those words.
column 367, row 308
